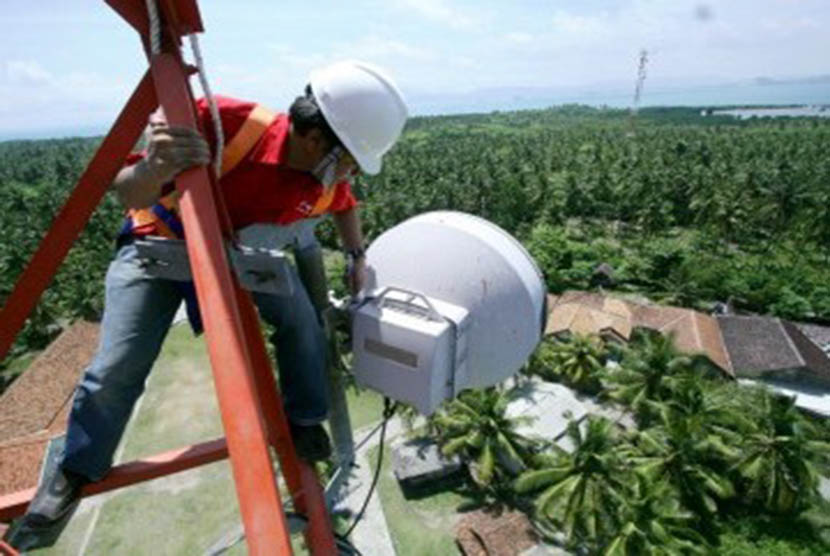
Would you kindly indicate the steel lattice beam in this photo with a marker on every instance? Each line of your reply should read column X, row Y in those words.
column 252, row 412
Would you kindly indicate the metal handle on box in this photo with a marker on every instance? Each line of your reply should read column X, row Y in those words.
column 433, row 313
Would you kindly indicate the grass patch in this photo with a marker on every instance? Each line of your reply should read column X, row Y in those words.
column 419, row 526
column 20, row 364
column 184, row 513
column 365, row 407
column 179, row 406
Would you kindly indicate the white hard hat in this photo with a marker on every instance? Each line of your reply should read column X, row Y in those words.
column 363, row 107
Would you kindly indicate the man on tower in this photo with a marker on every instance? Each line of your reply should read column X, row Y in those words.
column 280, row 170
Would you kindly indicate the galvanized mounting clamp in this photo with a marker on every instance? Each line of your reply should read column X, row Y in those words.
column 258, row 270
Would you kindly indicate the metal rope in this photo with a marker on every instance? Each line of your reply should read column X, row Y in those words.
column 214, row 110
column 155, row 48
column 155, row 27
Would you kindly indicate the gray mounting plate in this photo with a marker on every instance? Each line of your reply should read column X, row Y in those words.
column 258, row 270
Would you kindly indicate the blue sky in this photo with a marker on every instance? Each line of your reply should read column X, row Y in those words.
column 72, row 64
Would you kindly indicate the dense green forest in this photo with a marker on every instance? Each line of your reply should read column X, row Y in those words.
column 686, row 209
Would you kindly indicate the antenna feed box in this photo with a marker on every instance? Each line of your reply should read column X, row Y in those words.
column 411, row 347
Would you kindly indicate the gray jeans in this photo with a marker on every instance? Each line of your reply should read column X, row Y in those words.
column 137, row 315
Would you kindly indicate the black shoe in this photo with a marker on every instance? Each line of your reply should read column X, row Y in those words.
column 54, row 503
column 310, row 442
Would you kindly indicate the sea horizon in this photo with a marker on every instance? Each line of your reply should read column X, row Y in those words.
column 511, row 99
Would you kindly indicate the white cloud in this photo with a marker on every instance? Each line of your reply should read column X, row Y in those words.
column 55, row 100
column 276, row 84
column 373, row 48
column 440, row 12
column 519, row 37
column 464, row 62
column 578, row 25
column 26, row 72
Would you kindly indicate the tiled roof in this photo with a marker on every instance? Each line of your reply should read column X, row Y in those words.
column 588, row 313
column 594, row 313
column 33, row 401
column 35, row 407
column 695, row 332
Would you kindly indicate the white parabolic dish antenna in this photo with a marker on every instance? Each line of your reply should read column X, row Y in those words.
column 469, row 262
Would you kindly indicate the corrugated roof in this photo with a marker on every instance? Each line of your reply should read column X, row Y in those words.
column 816, row 362
column 697, row 333
column 820, row 335
column 759, row 344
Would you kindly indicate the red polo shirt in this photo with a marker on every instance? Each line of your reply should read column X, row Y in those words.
column 262, row 188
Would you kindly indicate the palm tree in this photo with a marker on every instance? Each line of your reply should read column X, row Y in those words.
column 673, row 452
column 692, row 442
column 782, row 459
column 647, row 372
column 709, row 407
column 578, row 361
column 476, row 427
column 581, row 491
column 652, row 521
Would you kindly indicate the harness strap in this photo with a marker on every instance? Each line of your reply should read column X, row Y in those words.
column 324, row 201
column 252, row 129
column 164, row 213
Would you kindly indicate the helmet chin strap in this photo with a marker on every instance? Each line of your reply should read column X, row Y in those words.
column 326, row 170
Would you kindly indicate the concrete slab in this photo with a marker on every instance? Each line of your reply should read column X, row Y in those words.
column 371, row 536
column 549, row 406
column 419, row 460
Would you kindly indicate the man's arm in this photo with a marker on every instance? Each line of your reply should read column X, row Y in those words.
column 171, row 150
column 351, row 238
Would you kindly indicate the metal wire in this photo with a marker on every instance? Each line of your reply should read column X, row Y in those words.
column 214, row 110
column 155, row 27
column 388, row 411
column 155, row 48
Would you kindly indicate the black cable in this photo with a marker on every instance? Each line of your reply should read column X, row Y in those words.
column 341, row 541
column 388, row 411
column 344, row 543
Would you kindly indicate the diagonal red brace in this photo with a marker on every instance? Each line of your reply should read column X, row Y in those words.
column 259, row 502
column 75, row 213
column 6, row 550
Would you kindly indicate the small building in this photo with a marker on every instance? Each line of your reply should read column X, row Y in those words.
column 773, row 348
column 694, row 332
